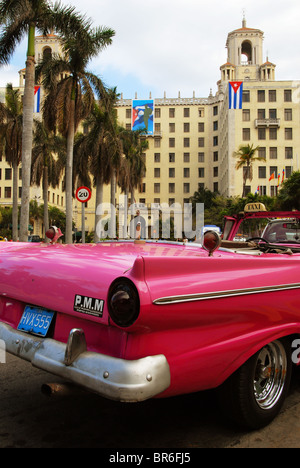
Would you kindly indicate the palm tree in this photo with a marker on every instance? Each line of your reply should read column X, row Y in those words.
column 134, row 146
column 101, row 146
column 18, row 18
column 246, row 157
column 46, row 168
column 71, row 99
column 11, row 122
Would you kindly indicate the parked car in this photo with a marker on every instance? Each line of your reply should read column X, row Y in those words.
column 34, row 238
column 141, row 319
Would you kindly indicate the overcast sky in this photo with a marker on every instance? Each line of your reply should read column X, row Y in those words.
column 179, row 45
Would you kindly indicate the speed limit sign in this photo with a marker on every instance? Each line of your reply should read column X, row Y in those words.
column 83, row 194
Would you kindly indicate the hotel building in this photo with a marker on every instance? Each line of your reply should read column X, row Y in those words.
column 195, row 139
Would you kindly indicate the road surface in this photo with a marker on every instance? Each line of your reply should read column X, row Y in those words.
column 29, row 419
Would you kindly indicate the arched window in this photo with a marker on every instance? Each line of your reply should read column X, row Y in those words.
column 47, row 52
column 246, row 58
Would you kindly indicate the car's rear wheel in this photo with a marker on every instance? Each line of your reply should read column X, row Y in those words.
column 254, row 394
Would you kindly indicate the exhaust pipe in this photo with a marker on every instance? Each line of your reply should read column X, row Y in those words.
column 59, row 389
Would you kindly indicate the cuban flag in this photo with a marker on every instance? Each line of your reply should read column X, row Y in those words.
column 37, row 99
column 235, row 94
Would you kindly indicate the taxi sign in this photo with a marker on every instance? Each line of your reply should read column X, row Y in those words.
column 254, row 208
column 83, row 194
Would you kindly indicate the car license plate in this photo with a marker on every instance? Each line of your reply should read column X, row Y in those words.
column 35, row 320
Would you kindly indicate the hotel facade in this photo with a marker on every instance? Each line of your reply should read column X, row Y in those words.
column 194, row 140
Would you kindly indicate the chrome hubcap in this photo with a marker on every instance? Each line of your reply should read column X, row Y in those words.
column 270, row 375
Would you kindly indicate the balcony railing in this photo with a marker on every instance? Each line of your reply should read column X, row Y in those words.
column 267, row 123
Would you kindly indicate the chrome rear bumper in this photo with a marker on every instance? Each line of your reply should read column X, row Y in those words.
column 113, row 378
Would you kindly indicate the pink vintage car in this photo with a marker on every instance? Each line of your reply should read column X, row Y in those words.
column 136, row 320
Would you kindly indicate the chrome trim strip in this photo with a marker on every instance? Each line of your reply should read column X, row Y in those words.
column 222, row 294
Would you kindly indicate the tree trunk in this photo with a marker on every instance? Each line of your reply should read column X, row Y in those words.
column 113, row 204
column 45, row 198
column 28, row 104
column 69, row 176
column 15, row 203
column 98, row 209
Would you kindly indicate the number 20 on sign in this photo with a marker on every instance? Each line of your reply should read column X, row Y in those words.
column 83, row 194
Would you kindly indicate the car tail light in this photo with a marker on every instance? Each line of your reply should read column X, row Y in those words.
column 123, row 302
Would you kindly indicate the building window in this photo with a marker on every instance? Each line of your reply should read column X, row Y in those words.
column 261, row 114
column 262, row 152
column 201, row 172
column 186, row 142
column 273, row 153
column 216, row 171
column 288, row 153
column 262, row 190
column 288, row 133
column 186, row 188
column 128, row 113
column 215, row 110
column 172, row 112
column 273, row 113
column 215, row 141
column 201, row 112
column 246, row 95
column 201, row 157
column 156, row 172
column 156, row 188
column 273, row 133
column 274, row 170
column 156, row 142
column 261, row 95
column 171, row 142
column 288, row 171
column 186, row 172
column 200, row 127
column 157, row 112
column 171, row 172
column 262, row 172
column 7, row 192
column 171, row 157
column 172, row 188
column 272, row 95
column 261, row 133
column 186, row 127
column 172, row 127
column 287, row 95
column 288, row 114
column 246, row 115
column 201, row 142
column 186, row 157
column 216, row 156
column 8, row 174
column 215, row 126
column 186, row 112
column 157, row 157
column 246, row 134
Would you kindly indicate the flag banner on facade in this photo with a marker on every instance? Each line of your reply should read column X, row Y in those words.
column 272, row 177
column 282, row 176
column 142, row 115
column 235, row 94
column 37, row 98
